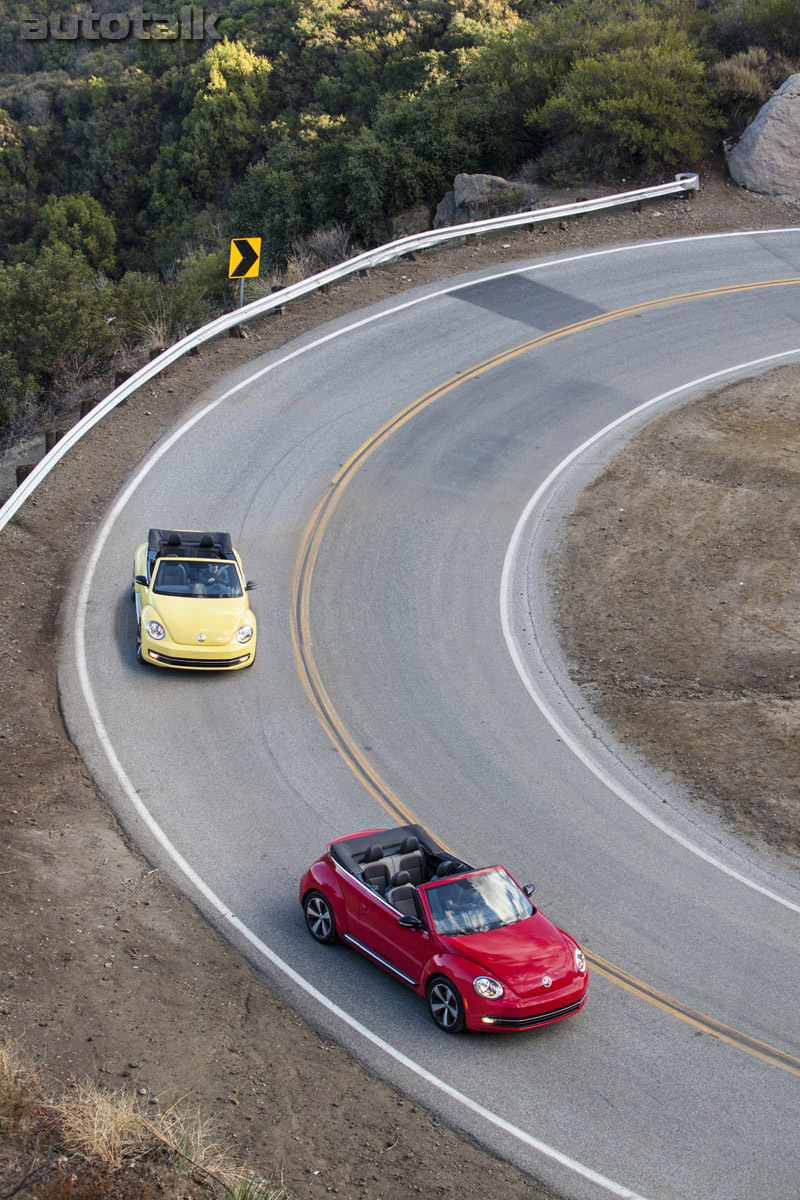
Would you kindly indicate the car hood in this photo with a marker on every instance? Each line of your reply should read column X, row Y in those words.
column 186, row 617
column 520, row 955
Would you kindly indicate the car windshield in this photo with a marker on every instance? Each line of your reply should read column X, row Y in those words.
column 196, row 577
column 477, row 903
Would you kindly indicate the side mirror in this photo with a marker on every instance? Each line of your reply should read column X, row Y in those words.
column 141, row 580
column 529, row 889
column 248, row 587
column 411, row 923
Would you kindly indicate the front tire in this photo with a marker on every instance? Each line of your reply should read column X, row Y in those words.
column 320, row 921
column 139, row 655
column 445, row 1005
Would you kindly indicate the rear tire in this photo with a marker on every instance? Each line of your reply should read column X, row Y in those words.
column 445, row 1004
column 320, row 921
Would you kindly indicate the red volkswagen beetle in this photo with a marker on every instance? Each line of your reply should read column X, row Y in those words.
column 469, row 940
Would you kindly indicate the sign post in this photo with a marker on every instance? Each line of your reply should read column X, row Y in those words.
column 244, row 261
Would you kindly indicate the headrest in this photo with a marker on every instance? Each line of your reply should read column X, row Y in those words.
column 174, row 539
column 400, row 878
column 206, row 541
column 445, row 868
column 373, row 854
column 410, row 844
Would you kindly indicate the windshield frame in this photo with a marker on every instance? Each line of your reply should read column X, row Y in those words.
column 191, row 589
column 475, row 919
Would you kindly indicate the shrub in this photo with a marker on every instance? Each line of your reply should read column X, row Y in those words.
column 773, row 24
column 148, row 312
column 53, row 319
column 330, row 245
column 746, row 81
column 80, row 224
column 633, row 112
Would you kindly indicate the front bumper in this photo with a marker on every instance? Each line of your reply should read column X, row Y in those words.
column 523, row 1014
column 232, row 657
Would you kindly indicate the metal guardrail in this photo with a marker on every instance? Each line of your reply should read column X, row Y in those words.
column 686, row 182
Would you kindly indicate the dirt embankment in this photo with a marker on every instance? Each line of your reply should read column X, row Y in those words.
column 106, row 972
column 683, row 620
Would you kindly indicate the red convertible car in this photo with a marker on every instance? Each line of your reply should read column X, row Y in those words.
column 469, row 940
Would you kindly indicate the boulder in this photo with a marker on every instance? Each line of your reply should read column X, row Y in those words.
column 480, row 191
column 447, row 213
column 766, row 157
column 475, row 197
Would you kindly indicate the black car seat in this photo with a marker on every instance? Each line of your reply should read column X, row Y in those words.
column 448, row 867
column 172, row 575
column 412, row 860
column 402, row 894
column 374, row 868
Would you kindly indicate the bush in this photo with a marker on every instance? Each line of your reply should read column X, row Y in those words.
column 148, row 312
column 80, row 224
column 746, row 81
column 53, row 319
column 634, row 112
column 773, row 24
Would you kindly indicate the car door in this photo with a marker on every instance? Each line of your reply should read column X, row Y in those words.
column 404, row 950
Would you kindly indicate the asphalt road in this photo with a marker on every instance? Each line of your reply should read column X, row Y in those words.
column 234, row 779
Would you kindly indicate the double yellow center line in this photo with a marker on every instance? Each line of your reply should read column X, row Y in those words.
column 332, row 722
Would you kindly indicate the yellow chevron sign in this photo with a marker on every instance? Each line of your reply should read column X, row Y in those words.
column 245, row 258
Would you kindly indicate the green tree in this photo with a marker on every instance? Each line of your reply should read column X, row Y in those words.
column 18, row 181
column 80, row 224
column 226, row 98
column 52, row 322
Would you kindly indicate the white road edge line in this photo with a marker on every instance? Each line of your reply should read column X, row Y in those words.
column 536, row 501
column 139, row 807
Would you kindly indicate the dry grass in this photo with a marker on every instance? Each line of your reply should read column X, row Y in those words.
column 110, row 1133
column 102, row 1125
column 21, row 1090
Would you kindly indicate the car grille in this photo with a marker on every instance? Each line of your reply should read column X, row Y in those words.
column 199, row 662
column 536, row 1018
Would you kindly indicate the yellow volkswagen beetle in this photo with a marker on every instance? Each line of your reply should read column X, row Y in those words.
column 192, row 612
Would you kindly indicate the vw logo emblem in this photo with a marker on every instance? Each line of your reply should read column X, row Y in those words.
column 201, row 637
column 546, row 981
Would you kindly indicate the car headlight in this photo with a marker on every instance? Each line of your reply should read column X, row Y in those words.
column 490, row 989
column 244, row 633
column 580, row 960
column 156, row 630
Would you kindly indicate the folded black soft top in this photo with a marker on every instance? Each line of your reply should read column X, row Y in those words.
column 349, row 851
column 188, row 543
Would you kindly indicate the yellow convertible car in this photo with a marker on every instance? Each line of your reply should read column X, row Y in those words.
column 191, row 604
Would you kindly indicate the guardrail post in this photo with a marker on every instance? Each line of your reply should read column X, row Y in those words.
column 23, row 471
column 87, row 406
column 51, row 436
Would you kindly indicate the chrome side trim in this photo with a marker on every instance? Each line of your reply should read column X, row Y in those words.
column 348, row 937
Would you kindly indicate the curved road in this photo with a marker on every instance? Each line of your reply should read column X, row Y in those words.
column 400, row 596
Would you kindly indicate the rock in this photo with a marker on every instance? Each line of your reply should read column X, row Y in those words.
column 767, row 156
column 475, row 197
column 446, row 212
